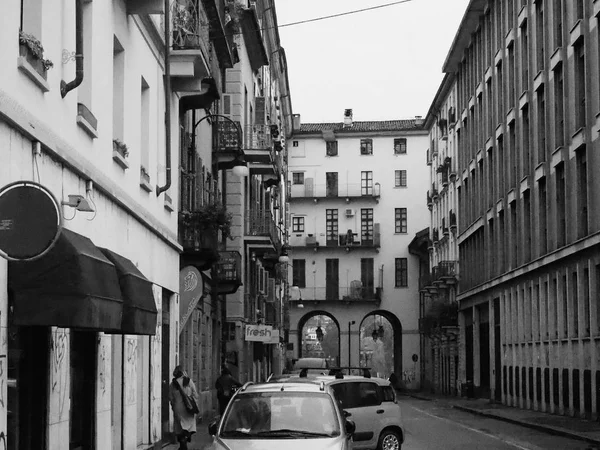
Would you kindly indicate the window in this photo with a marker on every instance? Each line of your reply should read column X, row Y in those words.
column 366, row 146
column 366, row 183
column 579, row 55
column 366, row 226
column 401, row 272
column 540, row 34
column 400, row 178
column 331, row 187
column 582, row 191
column 144, row 127
column 367, row 276
column 557, row 19
column 400, row 220
column 541, row 106
column 298, row 177
column 118, row 90
column 561, row 206
column 331, row 148
column 559, row 118
column 400, row 146
column 543, row 211
column 298, row 224
column 331, row 226
column 294, row 143
column 299, row 273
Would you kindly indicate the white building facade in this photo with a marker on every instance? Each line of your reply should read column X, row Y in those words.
column 356, row 191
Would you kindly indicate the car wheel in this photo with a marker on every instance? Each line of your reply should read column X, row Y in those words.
column 389, row 440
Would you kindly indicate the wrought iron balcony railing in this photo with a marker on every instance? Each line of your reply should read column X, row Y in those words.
column 227, row 136
column 261, row 223
column 189, row 25
column 446, row 269
column 335, row 190
column 341, row 293
column 257, row 137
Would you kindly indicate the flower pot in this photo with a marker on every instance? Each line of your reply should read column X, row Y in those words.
column 36, row 63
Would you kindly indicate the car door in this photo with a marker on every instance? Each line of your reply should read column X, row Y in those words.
column 361, row 399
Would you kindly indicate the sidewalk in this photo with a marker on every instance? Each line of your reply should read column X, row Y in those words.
column 200, row 441
column 570, row 427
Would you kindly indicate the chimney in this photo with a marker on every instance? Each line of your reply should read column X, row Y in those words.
column 418, row 120
column 347, row 118
column 295, row 122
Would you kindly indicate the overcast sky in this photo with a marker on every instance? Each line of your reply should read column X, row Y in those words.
column 384, row 64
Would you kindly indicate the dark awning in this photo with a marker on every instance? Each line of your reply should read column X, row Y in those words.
column 139, row 307
column 72, row 286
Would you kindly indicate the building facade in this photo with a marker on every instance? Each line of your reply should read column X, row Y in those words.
column 355, row 190
column 89, row 327
column 525, row 76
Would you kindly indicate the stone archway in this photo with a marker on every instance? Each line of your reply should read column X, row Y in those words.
column 382, row 353
column 330, row 343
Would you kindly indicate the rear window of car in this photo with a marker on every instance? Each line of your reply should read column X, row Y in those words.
column 357, row 394
column 388, row 394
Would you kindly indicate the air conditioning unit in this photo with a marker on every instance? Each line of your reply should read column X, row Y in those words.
column 349, row 212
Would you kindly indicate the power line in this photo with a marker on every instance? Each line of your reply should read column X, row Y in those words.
column 347, row 13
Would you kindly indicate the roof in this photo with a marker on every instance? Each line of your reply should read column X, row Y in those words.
column 308, row 385
column 360, row 127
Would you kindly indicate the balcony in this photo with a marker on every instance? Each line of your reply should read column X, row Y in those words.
column 335, row 191
column 227, row 272
column 188, row 61
column 200, row 245
column 255, row 45
column 226, row 137
column 258, row 149
column 441, row 314
column 429, row 201
column 356, row 294
column 260, row 229
column 348, row 241
column 452, row 221
column 447, row 272
column 221, row 38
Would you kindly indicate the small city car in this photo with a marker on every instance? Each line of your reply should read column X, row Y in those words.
column 290, row 415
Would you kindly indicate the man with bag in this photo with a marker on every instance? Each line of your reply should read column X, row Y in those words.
column 184, row 402
column 225, row 385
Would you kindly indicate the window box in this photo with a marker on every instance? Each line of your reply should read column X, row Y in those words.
column 120, row 153
column 33, row 67
column 145, row 180
column 169, row 203
column 86, row 120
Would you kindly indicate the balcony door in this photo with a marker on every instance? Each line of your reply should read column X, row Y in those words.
column 332, row 279
column 366, row 183
column 331, row 227
column 366, row 226
column 367, row 277
column 332, row 184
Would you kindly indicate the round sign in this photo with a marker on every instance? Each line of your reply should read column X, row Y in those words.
column 415, row 358
column 30, row 220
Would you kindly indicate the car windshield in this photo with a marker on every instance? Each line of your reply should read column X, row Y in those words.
column 281, row 415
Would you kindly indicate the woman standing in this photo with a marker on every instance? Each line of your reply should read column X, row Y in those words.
column 185, row 422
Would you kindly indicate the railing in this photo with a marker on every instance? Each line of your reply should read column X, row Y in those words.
column 189, row 25
column 257, row 137
column 228, row 269
column 334, row 190
column 193, row 238
column 261, row 223
column 447, row 269
column 341, row 293
column 196, row 188
column 226, row 136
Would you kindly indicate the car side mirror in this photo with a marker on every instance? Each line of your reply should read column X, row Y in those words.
column 212, row 428
column 346, row 413
column 350, row 427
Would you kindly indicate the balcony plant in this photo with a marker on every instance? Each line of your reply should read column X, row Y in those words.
column 121, row 148
column 213, row 216
column 233, row 15
column 31, row 48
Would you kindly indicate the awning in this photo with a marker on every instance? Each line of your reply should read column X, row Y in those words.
column 72, row 286
column 139, row 307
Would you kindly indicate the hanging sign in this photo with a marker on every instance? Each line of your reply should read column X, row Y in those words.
column 274, row 337
column 259, row 333
column 30, row 221
column 191, row 289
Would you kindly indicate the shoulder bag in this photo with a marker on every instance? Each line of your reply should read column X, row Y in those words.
column 188, row 400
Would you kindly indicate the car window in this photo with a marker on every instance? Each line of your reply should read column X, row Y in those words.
column 368, row 394
column 387, row 393
column 357, row 395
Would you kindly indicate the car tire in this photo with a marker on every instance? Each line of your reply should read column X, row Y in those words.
column 389, row 440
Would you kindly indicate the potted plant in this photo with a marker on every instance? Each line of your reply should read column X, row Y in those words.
column 233, row 15
column 31, row 48
column 120, row 153
column 213, row 217
column 184, row 27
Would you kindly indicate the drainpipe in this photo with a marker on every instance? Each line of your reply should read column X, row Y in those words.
column 65, row 87
column 167, row 83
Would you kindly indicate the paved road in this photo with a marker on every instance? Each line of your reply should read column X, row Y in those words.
column 432, row 426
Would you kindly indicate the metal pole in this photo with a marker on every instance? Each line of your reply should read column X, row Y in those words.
column 350, row 343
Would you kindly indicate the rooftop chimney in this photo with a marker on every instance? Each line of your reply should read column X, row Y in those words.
column 295, row 122
column 418, row 120
column 347, row 118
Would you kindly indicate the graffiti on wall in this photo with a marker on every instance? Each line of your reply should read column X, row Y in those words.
column 408, row 376
column 102, row 368
column 155, row 380
column 131, row 369
column 60, row 345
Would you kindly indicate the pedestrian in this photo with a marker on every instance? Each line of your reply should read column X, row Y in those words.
column 185, row 422
column 225, row 385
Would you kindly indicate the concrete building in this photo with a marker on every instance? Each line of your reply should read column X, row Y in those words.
column 439, row 312
column 89, row 329
column 355, row 202
column 525, row 76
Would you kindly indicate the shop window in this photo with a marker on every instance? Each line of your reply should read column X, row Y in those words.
column 84, row 352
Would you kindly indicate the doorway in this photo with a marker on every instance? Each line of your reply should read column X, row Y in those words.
column 84, row 352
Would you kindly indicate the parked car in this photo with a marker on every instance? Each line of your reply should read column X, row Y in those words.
column 370, row 402
column 290, row 415
column 316, row 366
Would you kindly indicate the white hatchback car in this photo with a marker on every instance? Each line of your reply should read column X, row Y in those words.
column 374, row 409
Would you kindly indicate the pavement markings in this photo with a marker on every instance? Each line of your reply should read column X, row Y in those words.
column 512, row 443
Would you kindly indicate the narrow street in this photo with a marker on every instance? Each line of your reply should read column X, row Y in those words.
column 433, row 426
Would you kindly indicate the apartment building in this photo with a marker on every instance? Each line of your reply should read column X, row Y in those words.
column 355, row 193
column 439, row 307
column 89, row 313
column 525, row 75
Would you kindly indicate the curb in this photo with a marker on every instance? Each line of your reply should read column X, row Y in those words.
column 535, row 426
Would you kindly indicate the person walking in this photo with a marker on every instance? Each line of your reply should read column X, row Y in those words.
column 185, row 422
column 225, row 385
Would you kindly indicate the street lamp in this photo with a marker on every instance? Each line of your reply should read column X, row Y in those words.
column 299, row 304
column 284, row 257
column 352, row 322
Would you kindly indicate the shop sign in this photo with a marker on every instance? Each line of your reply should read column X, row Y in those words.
column 274, row 337
column 191, row 289
column 30, row 221
column 259, row 333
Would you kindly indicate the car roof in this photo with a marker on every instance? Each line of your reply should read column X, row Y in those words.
column 296, row 385
column 328, row 379
column 311, row 363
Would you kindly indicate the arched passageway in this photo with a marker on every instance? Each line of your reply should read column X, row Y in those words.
column 319, row 336
column 381, row 344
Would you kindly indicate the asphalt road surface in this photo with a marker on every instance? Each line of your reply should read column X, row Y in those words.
column 432, row 426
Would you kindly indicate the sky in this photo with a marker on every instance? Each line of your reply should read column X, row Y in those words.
column 384, row 64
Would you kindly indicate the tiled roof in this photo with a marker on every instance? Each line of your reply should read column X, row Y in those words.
column 360, row 127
